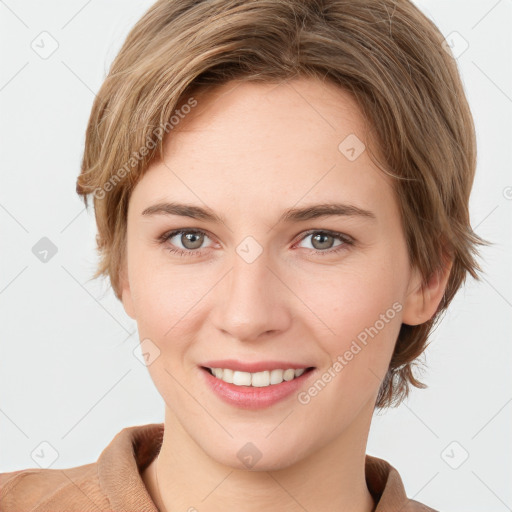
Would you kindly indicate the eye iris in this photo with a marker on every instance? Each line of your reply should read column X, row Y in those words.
column 323, row 244
column 195, row 238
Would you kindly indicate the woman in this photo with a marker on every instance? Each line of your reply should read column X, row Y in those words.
column 281, row 191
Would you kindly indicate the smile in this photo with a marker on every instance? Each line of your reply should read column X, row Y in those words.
column 257, row 389
column 257, row 379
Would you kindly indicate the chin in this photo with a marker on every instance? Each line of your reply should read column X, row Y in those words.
column 260, row 454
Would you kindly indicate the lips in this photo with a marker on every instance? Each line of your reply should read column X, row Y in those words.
column 254, row 394
column 259, row 366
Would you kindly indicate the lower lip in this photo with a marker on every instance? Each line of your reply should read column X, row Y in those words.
column 249, row 397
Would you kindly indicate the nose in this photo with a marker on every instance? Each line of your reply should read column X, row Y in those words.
column 252, row 302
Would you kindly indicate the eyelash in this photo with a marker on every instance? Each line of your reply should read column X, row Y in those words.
column 347, row 241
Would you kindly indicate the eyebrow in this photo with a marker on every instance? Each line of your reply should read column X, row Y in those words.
column 290, row 215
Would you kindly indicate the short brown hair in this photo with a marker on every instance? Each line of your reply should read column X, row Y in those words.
column 386, row 53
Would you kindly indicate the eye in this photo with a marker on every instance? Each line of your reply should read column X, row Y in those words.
column 190, row 240
column 322, row 241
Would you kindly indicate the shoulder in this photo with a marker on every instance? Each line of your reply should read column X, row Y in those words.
column 68, row 489
column 416, row 506
column 386, row 486
column 113, row 482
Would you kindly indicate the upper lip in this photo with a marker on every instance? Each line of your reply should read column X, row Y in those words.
column 253, row 367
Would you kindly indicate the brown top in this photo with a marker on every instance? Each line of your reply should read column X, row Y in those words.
column 114, row 482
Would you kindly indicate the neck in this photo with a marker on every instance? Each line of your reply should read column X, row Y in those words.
column 331, row 478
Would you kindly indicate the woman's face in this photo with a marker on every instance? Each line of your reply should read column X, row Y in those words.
column 264, row 288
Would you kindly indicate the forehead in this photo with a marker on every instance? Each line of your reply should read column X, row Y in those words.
column 317, row 114
column 261, row 144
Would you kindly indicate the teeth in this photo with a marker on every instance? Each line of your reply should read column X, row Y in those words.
column 241, row 378
column 226, row 375
column 276, row 376
column 289, row 374
column 258, row 379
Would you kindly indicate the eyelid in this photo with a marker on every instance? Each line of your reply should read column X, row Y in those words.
column 344, row 238
column 171, row 234
column 335, row 234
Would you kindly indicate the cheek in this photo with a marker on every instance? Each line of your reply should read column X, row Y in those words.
column 156, row 291
column 162, row 305
column 166, row 300
column 350, row 299
column 360, row 312
column 167, row 297
column 363, row 316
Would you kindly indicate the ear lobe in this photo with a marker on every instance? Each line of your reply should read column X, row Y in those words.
column 423, row 299
column 125, row 292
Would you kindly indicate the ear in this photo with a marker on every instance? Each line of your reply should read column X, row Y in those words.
column 423, row 299
column 125, row 291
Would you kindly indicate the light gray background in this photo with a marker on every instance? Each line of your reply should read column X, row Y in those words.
column 67, row 372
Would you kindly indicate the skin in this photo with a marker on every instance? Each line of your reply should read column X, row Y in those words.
column 248, row 152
